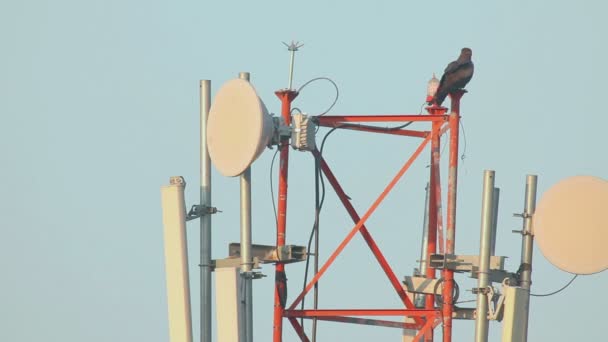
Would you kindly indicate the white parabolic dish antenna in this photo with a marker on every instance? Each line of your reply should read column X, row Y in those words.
column 238, row 127
column 570, row 225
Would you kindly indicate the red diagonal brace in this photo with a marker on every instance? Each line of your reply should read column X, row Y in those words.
column 359, row 224
column 430, row 325
column 365, row 233
column 298, row 328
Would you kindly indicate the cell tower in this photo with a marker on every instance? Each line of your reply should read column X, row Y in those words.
column 237, row 128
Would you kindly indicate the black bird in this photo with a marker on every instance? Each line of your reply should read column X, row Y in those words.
column 456, row 76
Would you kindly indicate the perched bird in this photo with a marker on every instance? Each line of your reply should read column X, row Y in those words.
column 456, row 76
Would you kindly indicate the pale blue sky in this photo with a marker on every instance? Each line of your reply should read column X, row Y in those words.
column 99, row 106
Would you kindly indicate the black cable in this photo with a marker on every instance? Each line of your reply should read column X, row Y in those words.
column 325, row 138
column 332, row 82
column 274, row 207
column 319, row 200
column 464, row 138
column 439, row 297
column 555, row 292
column 315, row 229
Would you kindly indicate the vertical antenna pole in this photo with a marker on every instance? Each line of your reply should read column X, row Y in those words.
column 280, row 294
column 487, row 211
column 205, row 201
column 246, row 259
column 448, row 275
column 496, row 198
column 527, row 247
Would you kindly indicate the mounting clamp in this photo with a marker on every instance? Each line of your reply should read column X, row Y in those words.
column 252, row 275
column 482, row 290
column 199, row 210
column 281, row 132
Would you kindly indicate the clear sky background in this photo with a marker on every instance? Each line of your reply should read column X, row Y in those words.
column 99, row 107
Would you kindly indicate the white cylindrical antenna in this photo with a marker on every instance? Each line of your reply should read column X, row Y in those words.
column 487, row 205
column 205, row 201
column 176, row 260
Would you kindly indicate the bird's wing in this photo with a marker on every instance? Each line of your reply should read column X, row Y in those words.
column 459, row 77
column 451, row 67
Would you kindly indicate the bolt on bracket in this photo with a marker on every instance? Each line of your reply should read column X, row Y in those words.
column 199, row 210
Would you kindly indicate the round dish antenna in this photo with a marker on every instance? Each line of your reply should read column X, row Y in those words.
column 238, row 128
column 570, row 224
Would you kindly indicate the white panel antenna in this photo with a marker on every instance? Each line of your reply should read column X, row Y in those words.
column 176, row 260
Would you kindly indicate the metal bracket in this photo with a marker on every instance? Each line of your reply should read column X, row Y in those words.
column 420, row 284
column 522, row 232
column 199, row 210
column 463, row 313
column 464, row 263
column 523, row 216
column 496, row 276
column 495, row 302
column 271, row 254
column 495, row 309
column 281, row 132
column 232, row 262
column 483, row 290
column 252, row 275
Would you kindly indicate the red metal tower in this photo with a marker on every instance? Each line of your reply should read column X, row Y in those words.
column 424, row 319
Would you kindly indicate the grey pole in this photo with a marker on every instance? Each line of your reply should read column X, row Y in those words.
column 246, row 259
column 527, row 247
column 487, row 205
column 420, row 298
column 495, row 201
column 205, row 261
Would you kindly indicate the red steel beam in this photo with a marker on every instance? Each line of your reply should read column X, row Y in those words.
column 280, row 292
column 434, row 196
column 364, row 232
column 384, row 130
column 336, row 119
column 434, row 203
column 358, row 226
column 363, row 312
column 368, row 321
column 435, row 169
column 448, row 275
